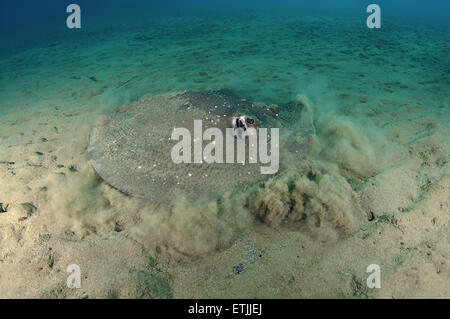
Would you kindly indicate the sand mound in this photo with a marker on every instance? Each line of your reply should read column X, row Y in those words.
column 311, row 197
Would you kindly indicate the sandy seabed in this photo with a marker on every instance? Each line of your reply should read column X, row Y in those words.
column 373, row 188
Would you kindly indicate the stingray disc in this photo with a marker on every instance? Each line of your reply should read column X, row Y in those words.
column 131, row 148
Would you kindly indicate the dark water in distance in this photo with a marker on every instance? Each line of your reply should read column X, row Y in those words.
column 29, row 15
column 42, row 24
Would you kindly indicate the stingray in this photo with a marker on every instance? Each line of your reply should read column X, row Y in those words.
column 130, row 148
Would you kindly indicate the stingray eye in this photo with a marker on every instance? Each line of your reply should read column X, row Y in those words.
column 250, row 121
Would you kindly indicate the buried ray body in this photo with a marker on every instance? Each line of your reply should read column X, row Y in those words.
column 135, row 150
column 214, row 151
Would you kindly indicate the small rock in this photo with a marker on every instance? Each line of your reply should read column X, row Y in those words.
column 238, row 269
column 73, row 169
column 117, row 228
column 30, row 209
column 3, row 208
column 51, row 261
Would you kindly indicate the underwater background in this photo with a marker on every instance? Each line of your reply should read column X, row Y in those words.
column 176, row 40
column 373, row 188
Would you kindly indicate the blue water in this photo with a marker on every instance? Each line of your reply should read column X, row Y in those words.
column 23, row 17
column 274, row 25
